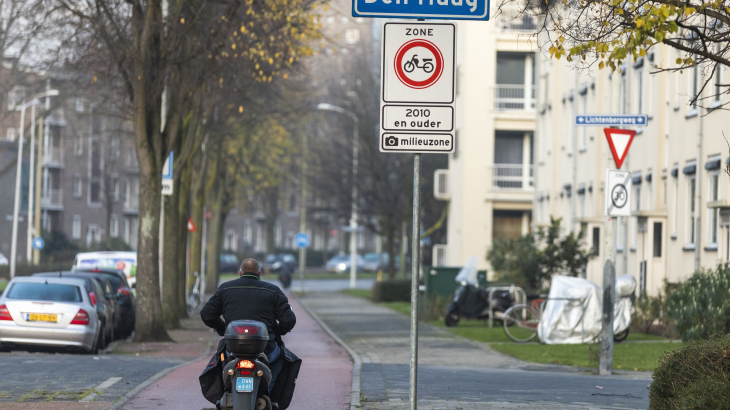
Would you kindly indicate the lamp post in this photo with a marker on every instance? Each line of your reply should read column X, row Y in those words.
column 353, row 215
column 16, row 207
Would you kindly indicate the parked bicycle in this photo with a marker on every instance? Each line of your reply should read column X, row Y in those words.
column 412, row 64
column 195, row 299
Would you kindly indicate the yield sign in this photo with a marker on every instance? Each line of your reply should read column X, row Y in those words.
column 191, row 226
column 619, row 141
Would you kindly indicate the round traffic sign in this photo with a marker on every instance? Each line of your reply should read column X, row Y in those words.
column 302, row 240
column 419, row 64
column 38, row 243
column 619, row 196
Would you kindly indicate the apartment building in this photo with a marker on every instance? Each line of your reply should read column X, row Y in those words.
column 490, row 180
column 677, row 162
column 89, row 175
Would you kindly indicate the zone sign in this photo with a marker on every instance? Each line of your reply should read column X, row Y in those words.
column 417, row 96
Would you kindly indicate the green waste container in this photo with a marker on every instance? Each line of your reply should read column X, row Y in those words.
column 441, row 280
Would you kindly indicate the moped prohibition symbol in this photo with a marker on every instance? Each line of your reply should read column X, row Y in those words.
column 412, row 64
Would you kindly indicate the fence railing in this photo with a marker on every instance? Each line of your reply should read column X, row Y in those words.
column 512, row 97
column 52, row 198
column 53, row 156
column 514, row 23
column 513, row 177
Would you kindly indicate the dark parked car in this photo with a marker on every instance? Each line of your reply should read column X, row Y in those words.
column 105, row 308
column 125, row 297
column 229, row 263
column 275, row 262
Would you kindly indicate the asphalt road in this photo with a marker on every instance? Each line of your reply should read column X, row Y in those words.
column 40, row 377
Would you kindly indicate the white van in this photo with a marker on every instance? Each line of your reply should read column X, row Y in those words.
column 123, row 261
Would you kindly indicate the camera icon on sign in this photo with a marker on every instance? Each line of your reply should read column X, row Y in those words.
column 391, row 141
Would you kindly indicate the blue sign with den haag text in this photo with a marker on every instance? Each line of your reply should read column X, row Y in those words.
column 422, row 9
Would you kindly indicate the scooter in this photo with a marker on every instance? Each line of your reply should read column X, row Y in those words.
column 285, row 279
column 246, row 373
column 471, row 302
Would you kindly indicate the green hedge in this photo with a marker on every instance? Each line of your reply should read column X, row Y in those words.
column 695, row 376
column 392, row 291
column 699, row 305
column 27, row 270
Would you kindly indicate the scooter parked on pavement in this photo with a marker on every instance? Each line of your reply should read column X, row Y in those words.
column 472, row 302
column 285, row 279
column 246, row 373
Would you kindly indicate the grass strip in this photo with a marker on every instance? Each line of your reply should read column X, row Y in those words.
column 3, row 285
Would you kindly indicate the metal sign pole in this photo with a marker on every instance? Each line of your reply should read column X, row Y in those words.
column 605, row 367
column 415, row 257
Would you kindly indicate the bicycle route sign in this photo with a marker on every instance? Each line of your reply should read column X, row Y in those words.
column 618, row 193
column 417, row 96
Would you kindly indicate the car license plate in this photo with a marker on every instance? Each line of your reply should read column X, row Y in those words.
column 244, row 384
column 37, row 317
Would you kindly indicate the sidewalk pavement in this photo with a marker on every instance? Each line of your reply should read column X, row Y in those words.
column 323, row 383
column 456, row 373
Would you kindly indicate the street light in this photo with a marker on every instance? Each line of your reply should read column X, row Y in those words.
column 16, row 207
column 353, row 216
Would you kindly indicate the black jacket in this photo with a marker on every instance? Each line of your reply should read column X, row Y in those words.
column 249, row 298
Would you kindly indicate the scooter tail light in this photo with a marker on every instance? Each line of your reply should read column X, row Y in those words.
column 81, row 318
column 244, row 364
column 247, row 330
column 5, row 313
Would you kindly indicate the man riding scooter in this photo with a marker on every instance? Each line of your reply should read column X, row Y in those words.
column 248, row 298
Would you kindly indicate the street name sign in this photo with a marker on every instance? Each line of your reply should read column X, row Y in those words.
column 618, row 193
column 619, row 141
column 616, row 120
column 422, row 9
column 417, row 96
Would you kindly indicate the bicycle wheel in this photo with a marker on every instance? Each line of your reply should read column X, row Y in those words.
column 520, row 323
column 195, row 303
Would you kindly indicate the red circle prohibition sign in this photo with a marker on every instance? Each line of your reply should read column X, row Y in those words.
column 439, row 64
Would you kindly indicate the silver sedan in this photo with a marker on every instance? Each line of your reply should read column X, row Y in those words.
column 56, row 312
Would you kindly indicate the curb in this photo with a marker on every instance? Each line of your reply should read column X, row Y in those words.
column 357, row 363
column 130, row 394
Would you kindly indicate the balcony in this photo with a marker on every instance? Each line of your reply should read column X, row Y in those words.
column 52, row 199
column 131, row 205
column 513, row 177
column 514, row 97
column 512, row 22
column 53, row 157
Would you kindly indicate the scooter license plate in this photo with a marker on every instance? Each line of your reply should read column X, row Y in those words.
column 244, row 384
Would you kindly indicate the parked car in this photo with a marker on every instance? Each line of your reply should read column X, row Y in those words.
column 106, row 308
column 3, row 259
column 275, row 262
column 341, row 264
column 47, row 311
column 228, row 263
column 124, row 261
column 375, row 261
column 125, row 297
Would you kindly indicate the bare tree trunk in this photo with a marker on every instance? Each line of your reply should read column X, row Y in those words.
column 172, row 275
column 197, row 214
column 214, row 235
column 182, row 246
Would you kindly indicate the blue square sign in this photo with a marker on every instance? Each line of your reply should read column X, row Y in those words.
column 422, row 9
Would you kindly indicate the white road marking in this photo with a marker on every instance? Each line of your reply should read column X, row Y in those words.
column 100, row 389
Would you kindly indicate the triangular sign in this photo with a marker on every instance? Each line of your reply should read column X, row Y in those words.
column 191, row 226
column 619, row 141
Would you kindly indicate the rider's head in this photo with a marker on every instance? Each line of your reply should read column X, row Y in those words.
column 250, row 266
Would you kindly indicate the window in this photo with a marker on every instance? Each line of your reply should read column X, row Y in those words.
column 247, row 233
column 637, row 197
column 114, row 226
column 278, row 234
column 582, row 199
column 79, row 146
column 507, row 225
column 596, row 239
column 114, row 182
column 16, row 97
column 79, row 105
column 515, row 89
column 657, row 239
column 623, row 93
column 78, row 185
column 713, row 219
column 640, row 87
column 95, row 172
column 114, row 148
column 691, row 209
column 10, row 136
column 76, row 227
column 584, row 110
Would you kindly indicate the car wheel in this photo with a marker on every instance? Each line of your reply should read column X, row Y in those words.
column 102, row 338
column 95, row 347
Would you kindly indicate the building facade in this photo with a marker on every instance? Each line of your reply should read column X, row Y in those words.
column 679, row 193
column 490, row 180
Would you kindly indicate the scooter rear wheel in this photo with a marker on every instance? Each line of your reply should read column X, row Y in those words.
column 452, row 317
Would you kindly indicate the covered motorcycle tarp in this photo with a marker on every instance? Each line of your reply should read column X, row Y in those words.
column 572, row 312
